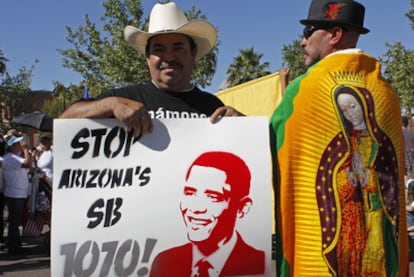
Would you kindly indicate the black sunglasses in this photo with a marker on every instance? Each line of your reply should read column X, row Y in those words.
column 309, row 30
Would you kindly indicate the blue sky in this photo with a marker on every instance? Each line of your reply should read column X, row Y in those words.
column 33, row 30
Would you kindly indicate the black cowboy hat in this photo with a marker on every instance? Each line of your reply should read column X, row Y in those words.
column 344, row 13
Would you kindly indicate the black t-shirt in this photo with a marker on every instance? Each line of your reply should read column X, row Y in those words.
column 169, row 104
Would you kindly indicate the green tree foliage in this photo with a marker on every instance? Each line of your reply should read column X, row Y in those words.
column 64, row 96
column 292, row 57
column 3, row 61
column 246, row 67
column 410, row 13
column 399, row 65
column 103, row 57
column 205, row 67
column 12, row 89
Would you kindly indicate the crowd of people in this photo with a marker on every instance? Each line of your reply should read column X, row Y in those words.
column 22, row 168
column 408, row 133
column 337, row 167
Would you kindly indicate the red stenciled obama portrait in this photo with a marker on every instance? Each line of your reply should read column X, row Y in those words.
column 215, row 196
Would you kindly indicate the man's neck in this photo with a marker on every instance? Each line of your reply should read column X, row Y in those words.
column 186, row 88
column 218, row 255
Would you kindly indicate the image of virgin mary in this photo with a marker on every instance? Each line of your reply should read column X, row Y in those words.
column 357, row 191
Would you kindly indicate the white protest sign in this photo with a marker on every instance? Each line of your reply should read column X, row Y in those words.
column 116, row 200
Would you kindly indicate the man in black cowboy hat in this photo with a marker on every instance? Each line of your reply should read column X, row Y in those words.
column 171, row 47
column 341, row 18
column 338, row 167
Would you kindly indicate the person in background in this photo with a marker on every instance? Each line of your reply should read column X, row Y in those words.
column 15, row 164
column 328, row 170
column 171, row 48
column 408, row 134
column 44, row 160
column 13, row 132
column 408, row 147
column 2, row 205
column 410, row 206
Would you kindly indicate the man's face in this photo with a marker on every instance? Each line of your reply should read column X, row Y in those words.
column 315, row 44
column 170, row 61
column 206, row 207
column 16, row 148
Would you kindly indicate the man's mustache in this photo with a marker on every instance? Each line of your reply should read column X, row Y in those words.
column 165, row 64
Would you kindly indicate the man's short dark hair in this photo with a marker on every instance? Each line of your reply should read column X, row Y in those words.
column 45, row 141
column 237, row 172
column 405, row 121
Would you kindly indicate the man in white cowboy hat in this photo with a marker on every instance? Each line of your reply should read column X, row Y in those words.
column 171, row 47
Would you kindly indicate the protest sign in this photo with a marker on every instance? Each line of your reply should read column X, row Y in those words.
column 117, row 201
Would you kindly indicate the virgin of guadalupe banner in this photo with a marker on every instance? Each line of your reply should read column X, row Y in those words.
column 341, row 193
column 188, row 198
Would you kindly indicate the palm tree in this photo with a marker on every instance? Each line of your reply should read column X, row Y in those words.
column 292, row 57
column 3, row 61
column 246, row 67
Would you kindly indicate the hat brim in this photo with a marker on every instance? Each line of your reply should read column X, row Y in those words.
column 203, row 33
column 361, row 30
column 14, row 140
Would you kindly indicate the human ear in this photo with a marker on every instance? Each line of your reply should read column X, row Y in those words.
column 337, row 33
column 245, row 205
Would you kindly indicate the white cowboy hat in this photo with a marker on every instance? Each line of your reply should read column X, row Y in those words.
column 167, row 18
